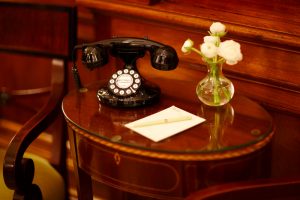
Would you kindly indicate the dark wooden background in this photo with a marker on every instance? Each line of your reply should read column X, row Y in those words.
column 269, row 33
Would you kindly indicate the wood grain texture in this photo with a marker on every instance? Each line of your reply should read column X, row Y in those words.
column 36, row 37
column 245, row 19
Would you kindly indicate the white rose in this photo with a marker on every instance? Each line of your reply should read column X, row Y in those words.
column 217, row 27
column 209, row 50
column 211, row 39
column 230, row 51
column 187, row 46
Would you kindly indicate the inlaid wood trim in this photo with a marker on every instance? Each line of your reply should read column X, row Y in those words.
column 175, row 156
column 112, row 181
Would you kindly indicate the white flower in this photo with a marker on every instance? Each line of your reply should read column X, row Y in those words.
column 213, row 50
column 230, row 51
column 209, row 50
column 187, row 46
column 211, row 39
column 217, row 27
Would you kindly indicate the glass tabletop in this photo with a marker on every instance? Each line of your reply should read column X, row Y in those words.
column 239, row 124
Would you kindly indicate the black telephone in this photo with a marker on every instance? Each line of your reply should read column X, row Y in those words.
column 126, row 87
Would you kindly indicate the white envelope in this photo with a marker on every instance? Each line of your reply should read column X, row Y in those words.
column 165, row 123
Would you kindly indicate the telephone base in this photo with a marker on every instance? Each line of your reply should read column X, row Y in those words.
column 146, row 95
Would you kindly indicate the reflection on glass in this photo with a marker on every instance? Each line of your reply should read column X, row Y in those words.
column 217, row 119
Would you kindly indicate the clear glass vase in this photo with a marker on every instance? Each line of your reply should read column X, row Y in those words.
column 215, row 89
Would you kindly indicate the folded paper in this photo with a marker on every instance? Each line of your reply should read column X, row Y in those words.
column 165, row 123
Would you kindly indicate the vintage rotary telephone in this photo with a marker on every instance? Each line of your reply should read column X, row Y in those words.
column 126, row 87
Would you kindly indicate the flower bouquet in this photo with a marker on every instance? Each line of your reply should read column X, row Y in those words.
column 215, row 89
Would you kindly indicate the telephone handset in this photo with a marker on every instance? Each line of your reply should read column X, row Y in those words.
column 126, row 87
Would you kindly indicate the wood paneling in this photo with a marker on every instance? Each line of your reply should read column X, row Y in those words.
column 51, row 36
column 270, row 40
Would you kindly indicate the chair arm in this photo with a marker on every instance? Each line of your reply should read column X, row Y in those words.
column 18, row 172
column 284, row 188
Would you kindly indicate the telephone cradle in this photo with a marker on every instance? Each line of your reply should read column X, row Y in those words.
column 126, row 87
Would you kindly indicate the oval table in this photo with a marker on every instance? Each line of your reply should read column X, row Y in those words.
column 114, row 162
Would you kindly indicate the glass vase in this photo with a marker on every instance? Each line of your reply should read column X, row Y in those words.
column 215, row 89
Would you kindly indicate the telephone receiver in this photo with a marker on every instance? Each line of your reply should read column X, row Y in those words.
column 126, row 87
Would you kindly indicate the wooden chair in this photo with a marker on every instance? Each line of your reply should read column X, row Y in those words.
column 267, row 189
column 35, row 46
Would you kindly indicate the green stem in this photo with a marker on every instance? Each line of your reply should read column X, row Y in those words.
column 216, row 126
column 197, row 51
column 215, row 75
column 226, row 93
column 215, row 71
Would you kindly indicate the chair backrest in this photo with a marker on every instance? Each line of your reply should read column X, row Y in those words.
column 36, row 43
